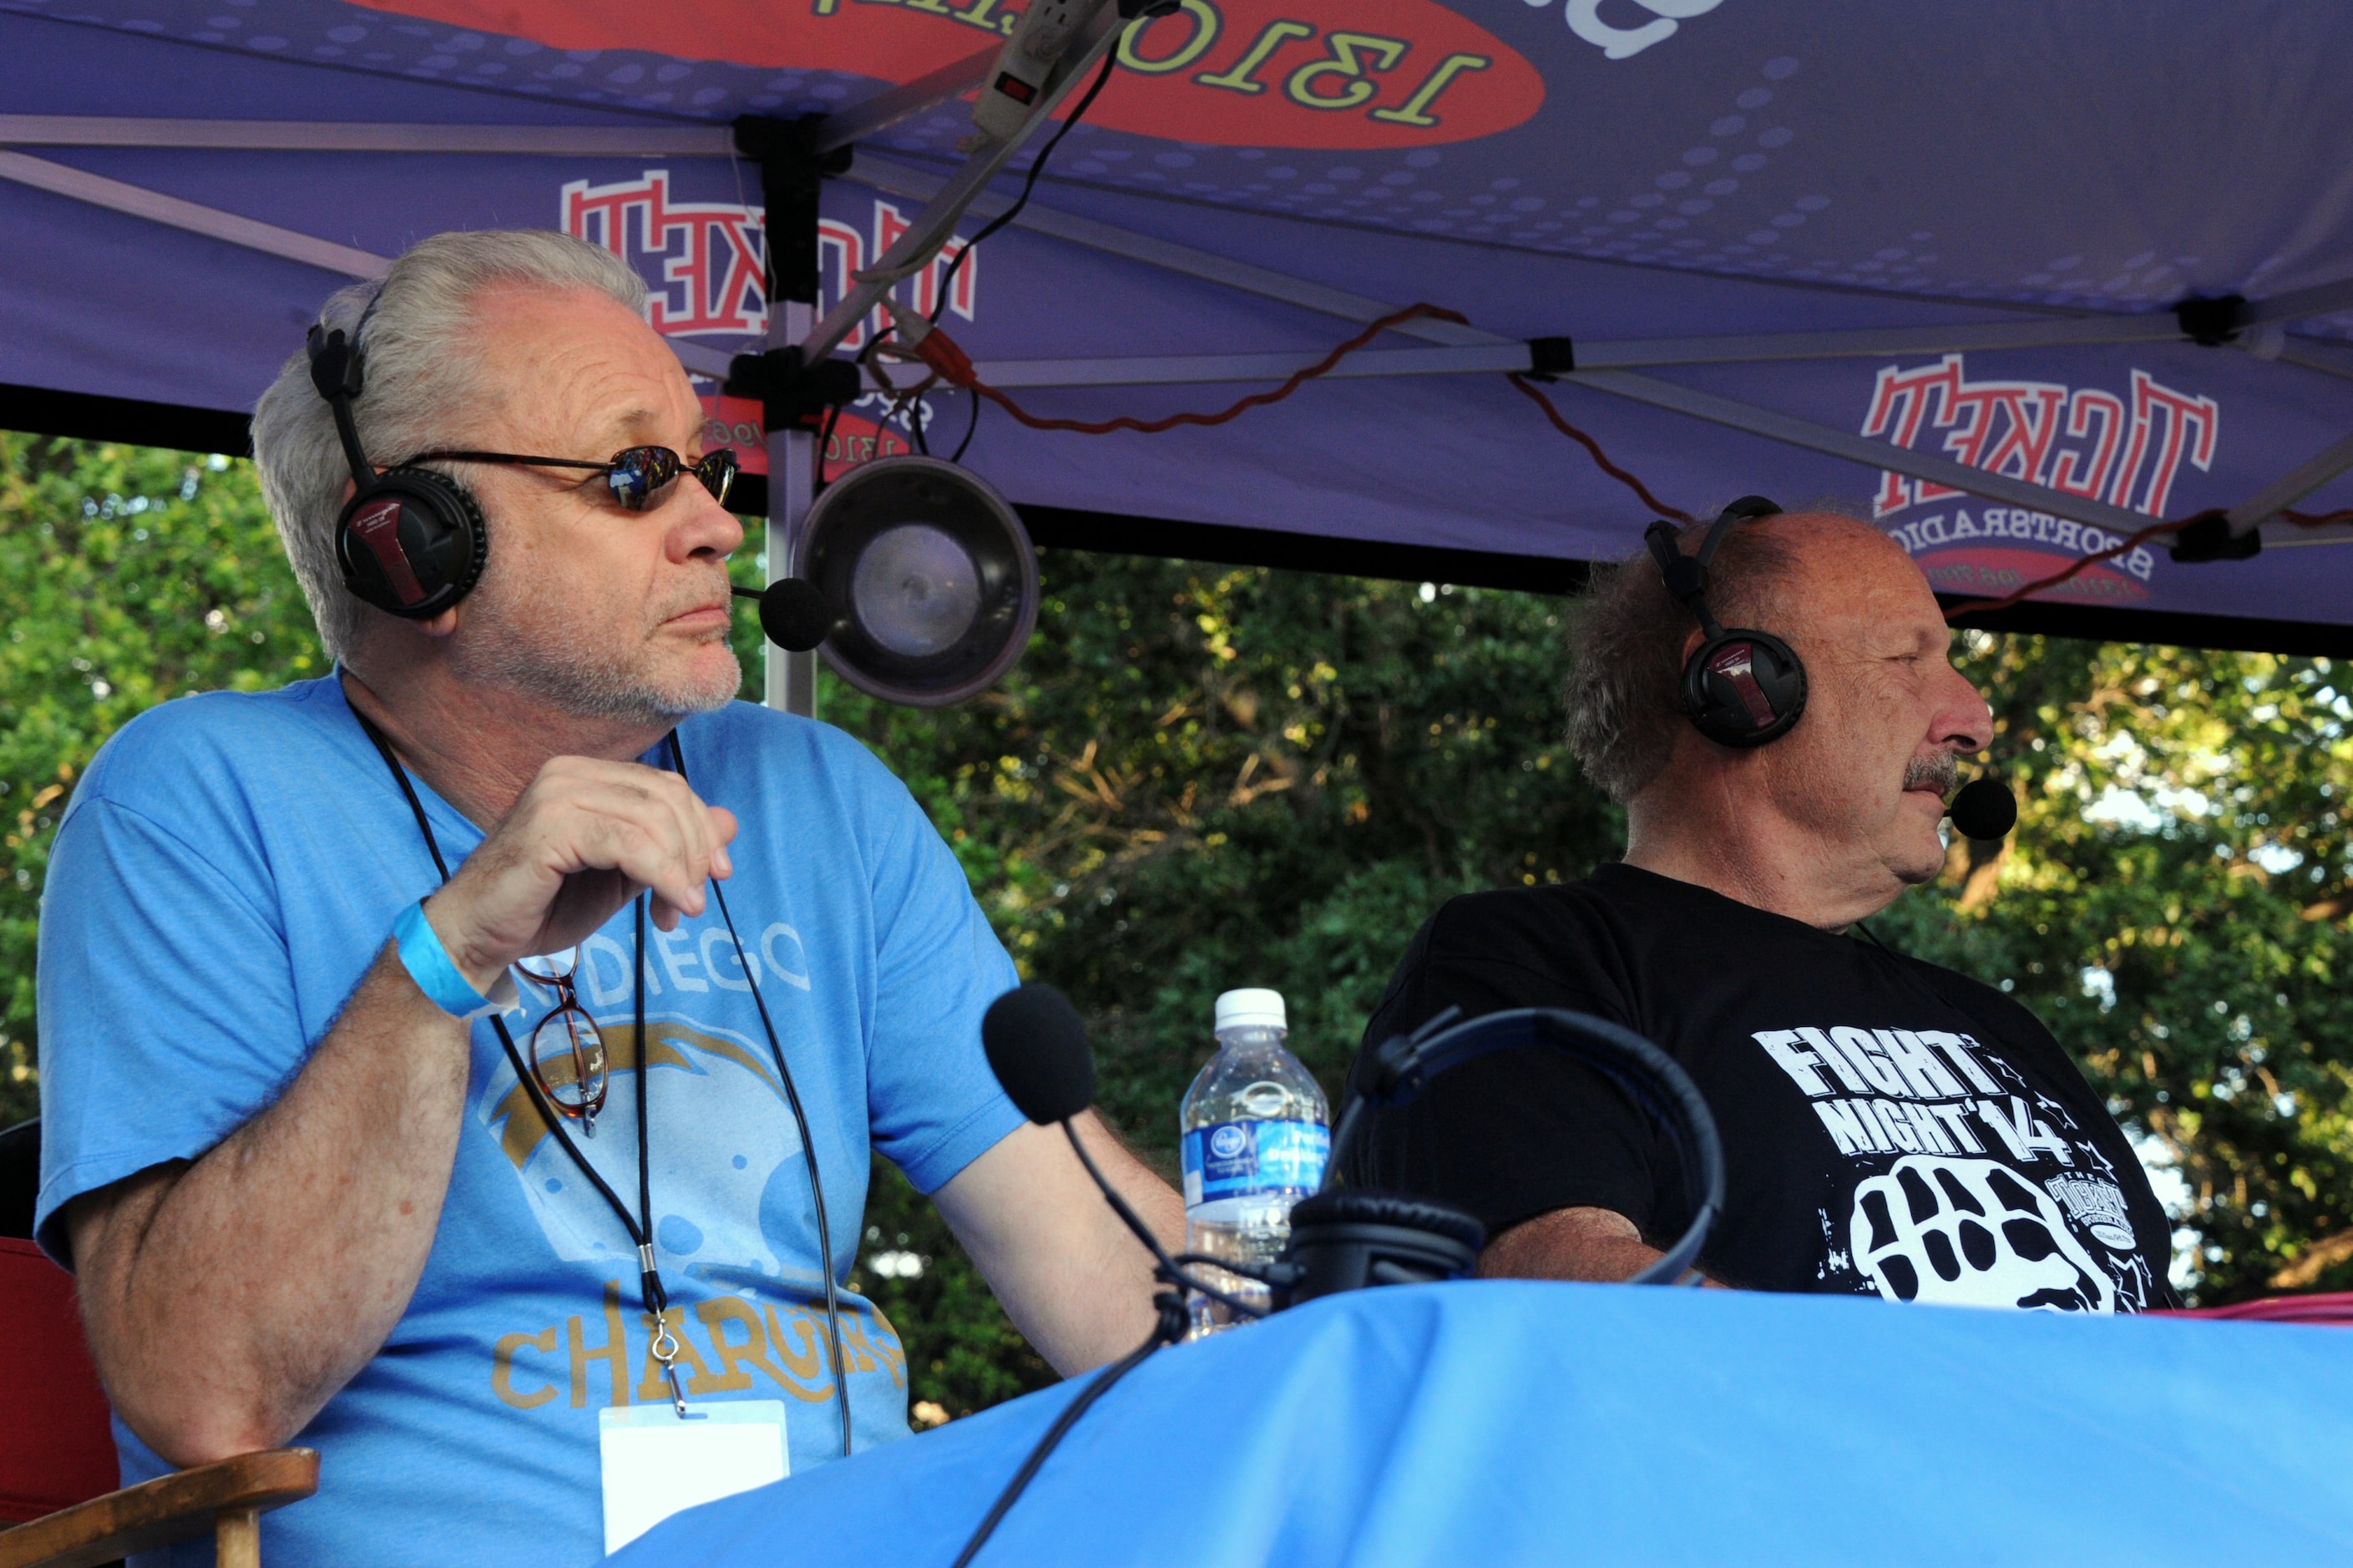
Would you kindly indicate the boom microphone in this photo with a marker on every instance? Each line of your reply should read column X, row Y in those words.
column 1983, row 808
column 793, row 613
column 1038, row 1048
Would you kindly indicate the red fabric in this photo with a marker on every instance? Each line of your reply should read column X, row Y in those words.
column 56, row 1448
column 2335, row 1309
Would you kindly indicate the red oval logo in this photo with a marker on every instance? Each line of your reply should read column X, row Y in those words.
column 1368, row 74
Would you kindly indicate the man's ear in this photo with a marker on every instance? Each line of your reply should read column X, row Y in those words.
column 440, row 626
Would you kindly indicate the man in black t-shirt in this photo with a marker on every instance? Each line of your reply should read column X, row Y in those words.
column 1888, row 1126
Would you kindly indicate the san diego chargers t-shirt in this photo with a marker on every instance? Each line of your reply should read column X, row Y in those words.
column 230, row 866
column 1889, row 1127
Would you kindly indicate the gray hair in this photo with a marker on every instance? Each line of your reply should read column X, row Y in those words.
column 1626, row 643
column 422, row 379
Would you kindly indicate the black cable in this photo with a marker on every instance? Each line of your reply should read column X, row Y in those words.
column 800, row 1120
column 825, row 441
column 971, row 426
column 1037, row 167
column 915, row 422
column 1167, row 1330
column 1167, row 1270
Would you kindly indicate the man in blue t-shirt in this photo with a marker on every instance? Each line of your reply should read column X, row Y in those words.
column 326, row 1171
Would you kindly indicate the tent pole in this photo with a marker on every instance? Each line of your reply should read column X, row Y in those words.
column 792, row 175
column 791, row 682
column 2289, row 488
column 1862, row 449
column 116, row 195
column 935, row 224
column 888, row 107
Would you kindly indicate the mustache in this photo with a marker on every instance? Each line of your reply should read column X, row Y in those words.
column 1942, row 772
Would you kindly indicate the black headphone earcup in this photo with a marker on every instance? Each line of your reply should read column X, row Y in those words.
column 1350, row 1237
column 413, row 544
column 1744, row 688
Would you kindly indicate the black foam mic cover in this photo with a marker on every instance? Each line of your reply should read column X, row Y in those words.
column 793, row 613
column 1984, row 808
column 1039, row 1050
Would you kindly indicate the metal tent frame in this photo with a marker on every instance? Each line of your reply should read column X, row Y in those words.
column 795, row 156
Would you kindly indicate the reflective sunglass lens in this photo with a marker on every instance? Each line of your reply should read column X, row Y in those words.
column 634, row 476
column 717, row 472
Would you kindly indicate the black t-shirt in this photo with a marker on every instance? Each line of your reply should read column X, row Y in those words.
column 1888, row 1126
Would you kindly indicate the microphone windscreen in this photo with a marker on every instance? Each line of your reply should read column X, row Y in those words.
column 794, row 614
column 1984, row 808
column 1037, row 1048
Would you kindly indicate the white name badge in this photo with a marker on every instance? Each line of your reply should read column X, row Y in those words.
column 657, row 1465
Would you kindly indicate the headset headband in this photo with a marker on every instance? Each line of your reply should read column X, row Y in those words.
column 1686, row 576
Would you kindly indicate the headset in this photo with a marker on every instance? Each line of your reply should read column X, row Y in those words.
column 410, row 542
column 1741, row 688
column 1347, row 1238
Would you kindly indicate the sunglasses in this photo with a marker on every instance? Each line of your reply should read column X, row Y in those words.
column 638, row 476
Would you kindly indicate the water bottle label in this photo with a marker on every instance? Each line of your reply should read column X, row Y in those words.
column 1246, row 1159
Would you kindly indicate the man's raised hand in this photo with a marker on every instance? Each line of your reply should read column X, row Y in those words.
column 583, row 839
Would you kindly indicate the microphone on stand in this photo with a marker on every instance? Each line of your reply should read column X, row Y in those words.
column 1983, row 808
column 1037, row 1048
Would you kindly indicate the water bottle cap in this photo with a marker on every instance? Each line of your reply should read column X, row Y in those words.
column 1253, row 1006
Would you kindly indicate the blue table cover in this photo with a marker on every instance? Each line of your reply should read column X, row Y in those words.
column 1509, row 1422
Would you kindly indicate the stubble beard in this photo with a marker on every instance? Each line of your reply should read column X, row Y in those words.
column 549, row 648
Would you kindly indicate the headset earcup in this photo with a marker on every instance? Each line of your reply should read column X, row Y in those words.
column 1744, row 688
column 1348, row 1238
column 413, row 544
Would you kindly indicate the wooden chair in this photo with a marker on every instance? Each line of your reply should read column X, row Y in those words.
column 57, row 1467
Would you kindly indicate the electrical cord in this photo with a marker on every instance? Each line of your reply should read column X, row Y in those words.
column 1166, row 1332
column 1029, row 183
column 1167, row 1328
column 952, row 366
column 971, row 429
column 825, row 441
column 1600, row 457
column 2155, row 530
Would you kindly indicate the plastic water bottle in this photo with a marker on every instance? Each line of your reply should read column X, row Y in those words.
column 1256, row 1130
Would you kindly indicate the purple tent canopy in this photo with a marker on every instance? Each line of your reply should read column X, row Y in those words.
column 1923, row 258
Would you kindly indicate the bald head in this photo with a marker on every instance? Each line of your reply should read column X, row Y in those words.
column 1837, row 568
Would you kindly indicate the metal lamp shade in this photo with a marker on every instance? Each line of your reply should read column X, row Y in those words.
column 930, row 578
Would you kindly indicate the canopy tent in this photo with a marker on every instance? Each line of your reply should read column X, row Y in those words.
column 1923, row 258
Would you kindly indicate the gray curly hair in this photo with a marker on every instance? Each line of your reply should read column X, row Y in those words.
column 1625, row 645
column 423, row 382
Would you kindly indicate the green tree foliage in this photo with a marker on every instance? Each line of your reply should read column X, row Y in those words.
column 131, row 577
column 2174, row 905
column 1205, row 776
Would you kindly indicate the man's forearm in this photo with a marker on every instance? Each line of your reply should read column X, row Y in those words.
column 1590, row 1243
column 1067, row 1271
column 228, row 1299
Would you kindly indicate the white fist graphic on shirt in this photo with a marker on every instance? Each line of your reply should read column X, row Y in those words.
column 1971, row 1233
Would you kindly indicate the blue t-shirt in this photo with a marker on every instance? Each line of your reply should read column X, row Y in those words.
column 228, row 868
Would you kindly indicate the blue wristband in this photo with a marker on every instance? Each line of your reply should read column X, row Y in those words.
column 429, row 964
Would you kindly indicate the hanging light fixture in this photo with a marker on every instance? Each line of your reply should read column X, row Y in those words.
column 919, row 577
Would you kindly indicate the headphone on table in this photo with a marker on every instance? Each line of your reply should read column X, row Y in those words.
column 410, row 542
column 1346, row 1238
column 1742, row 687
